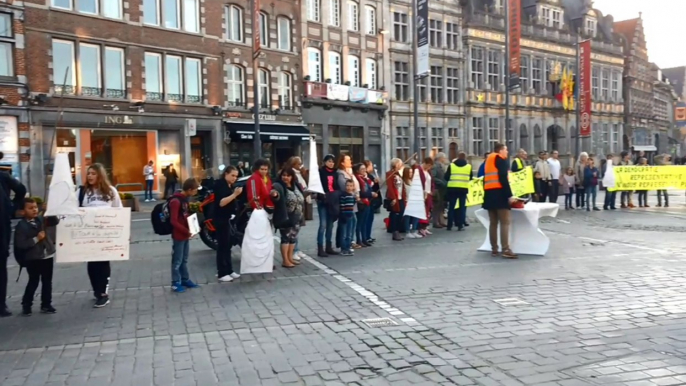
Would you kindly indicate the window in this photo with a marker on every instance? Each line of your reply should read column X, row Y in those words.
column 477, row 136
column 435, row 33
column 153, row 77
column 115, row 86
column 595, row 83
column 106, row 8
column 421, row 89
column 284, row 33
column 605, row 85
column 66, row 4
column 370, row 73
column 191, row 16
column 314, row 64
column 422, row 142
column 493, row 132
column 313, row 10
column 452, row 77
column 436, row 84
column 437, row 139
column 557, row 19
column 151, row 12
column 234, row 23
column 524, row 73
column 236, row 85
column 170, row 13
column 536, row 68
column 193, row 81
column 285, row 91
column 370, row 14
column 263, row 84
column 615, row 138
column 335, row 13
column 400, row 27
column 335, row 67
column 354, row 70
column 89, row 69
column 6, row 46
column 606, row 138
column 353, row 16
column 477, row 67
column 615, row 86
column 591, row 25
column 509, row 135
column 402, row 142
column 452, row 36
column 401, row 81
column 173, row 78
column 545, row 16
column 264, row 29
column 494, row 69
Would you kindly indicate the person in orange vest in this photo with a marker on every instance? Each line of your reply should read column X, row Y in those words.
column 497, row 199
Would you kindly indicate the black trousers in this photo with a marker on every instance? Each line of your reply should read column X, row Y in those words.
column 3, row 278
column 224, row 265
column 99, row 273
column 545, row 188
column 40, row 271
column 580, row 196
column 554, row 190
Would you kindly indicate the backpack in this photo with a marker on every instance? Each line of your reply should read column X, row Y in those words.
column 161, row 219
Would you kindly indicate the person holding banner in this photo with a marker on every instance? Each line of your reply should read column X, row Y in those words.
column 497, row 200
column 663, row 160
column 98, row 192
column 626, row 197
column 458, row 175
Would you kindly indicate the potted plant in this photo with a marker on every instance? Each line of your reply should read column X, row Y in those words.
column 130, row 201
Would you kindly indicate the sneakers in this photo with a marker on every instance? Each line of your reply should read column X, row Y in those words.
column 412, row 235
column 234, row 275
column 102, row 302
column 178, row 288
column 153, row 200
column 296, row 256
column 48, row 310
column 26, row 311
column 225, row 279
column 189, row 284
column 147, row 200
column 347, row 253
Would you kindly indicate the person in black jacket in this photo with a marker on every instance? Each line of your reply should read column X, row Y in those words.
column 8, row 208
column 34, row 249
column 497, row 199
column 225, row 197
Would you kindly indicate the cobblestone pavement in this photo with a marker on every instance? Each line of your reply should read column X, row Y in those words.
column 606, row 306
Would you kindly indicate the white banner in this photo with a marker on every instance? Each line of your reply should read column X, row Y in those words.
column 314, row 184
column 95, row 234
column 257, row 251
column 415, row 199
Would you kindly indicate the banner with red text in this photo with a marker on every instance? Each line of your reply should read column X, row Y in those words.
column 515, row 34
column 584, row 88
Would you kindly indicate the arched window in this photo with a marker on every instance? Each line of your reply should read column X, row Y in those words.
column 314, row 64
column 354, row 70
column 370, row 73
column 236, row 85
column 234, row 23
column 284, row 33
column 285, row 91
column 523, row 137
column 353, row 16
column 335, row 67
column 370, row 15
column 265, row 93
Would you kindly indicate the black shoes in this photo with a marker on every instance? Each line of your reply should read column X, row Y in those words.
column 5, row 312
column 48, row 310
column 102, row 302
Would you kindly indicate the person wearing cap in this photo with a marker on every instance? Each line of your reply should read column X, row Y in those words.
column 327, row 174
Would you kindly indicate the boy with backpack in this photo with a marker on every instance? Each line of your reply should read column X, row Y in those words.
column 34, row 250
column 179, row 211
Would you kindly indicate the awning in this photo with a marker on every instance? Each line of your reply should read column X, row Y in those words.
column 644, row 148
column 269, row 132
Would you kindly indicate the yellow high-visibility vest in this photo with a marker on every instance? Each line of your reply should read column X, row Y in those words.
column 520, row 165
column 459, row 176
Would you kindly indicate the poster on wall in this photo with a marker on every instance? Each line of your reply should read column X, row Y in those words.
column 95, row 234
column 9, row 141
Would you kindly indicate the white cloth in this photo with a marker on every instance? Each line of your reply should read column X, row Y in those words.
column 257, row 250
column 149, row 172
column 95, row 199
column 554, row 168
column 609, row 177
column 427, row 181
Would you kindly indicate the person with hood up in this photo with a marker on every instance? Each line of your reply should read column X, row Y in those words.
column 458, row 175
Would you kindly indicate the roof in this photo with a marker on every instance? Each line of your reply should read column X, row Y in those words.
column 628, row 28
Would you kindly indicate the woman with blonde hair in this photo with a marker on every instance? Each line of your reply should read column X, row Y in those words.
column 98, row 192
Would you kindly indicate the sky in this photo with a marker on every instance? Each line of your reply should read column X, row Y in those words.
column 663, row 22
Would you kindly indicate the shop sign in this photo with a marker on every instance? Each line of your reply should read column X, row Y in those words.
column 265, row 117
column 278, row 138
column 9, row 140
column 246, row 136
column 190, row 127
column 118, row 120
column 232, row 114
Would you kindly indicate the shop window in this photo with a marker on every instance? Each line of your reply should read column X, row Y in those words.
column 284, row 33
column 106, row 8
column 236, row 85
column 6, row 45
column 285, row 91
column 264, row 29
column 265, row 92
column 234, row 23
column 123, row 154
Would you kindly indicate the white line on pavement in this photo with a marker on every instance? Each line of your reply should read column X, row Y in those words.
column 140, row 219
column 662, row 251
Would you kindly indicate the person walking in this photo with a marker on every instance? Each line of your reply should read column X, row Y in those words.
column 543, row 168
column 179, row 211
column 225, row 200
column 609, row 183
column 410, row 223
column 666, row 159
column 296, row 164
column 458, row 175
column 363, row 204
column 149, row 174
column 394, row 198
column 591, row 175
column 579, row 180
column 626, row 197
column 439, row 190
column 171, row 179
column 327, row 174
column 497, row 200
column 376, row 201
column 555, row 171
column 98, row 192
column 288, row 211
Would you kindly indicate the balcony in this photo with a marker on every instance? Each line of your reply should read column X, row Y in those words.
column 315, row 91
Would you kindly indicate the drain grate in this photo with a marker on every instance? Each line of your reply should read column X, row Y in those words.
column 379, row 322
column 511, row 302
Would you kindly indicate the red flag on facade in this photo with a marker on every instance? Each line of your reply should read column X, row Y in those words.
column 585, row 88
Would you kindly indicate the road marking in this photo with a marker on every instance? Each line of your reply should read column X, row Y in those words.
column 661, row 251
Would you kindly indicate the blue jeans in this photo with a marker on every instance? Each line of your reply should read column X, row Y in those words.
column 368, row 227
column 360, row 227
column 347, row 230
column 179, row 266
column 591, row 192
column 610, row 199
column 325, row 225
column 296, row 249
column 148, row 189
column 411, row 221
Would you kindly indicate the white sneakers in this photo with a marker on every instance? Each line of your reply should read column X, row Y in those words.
column 235, row 275
column 300, row 255
column 229, row 278
column 414, row 235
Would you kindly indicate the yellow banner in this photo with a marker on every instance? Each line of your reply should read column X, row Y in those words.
column 521, row 183
column 649, row 177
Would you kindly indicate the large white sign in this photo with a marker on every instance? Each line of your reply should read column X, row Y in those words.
column 9, row 140
column 415, row 199
column 95, row 234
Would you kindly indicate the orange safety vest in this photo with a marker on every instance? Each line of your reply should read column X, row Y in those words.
column 491, row 180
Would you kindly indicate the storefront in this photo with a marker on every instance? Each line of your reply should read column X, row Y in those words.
column 282, row 137
column 124, row 144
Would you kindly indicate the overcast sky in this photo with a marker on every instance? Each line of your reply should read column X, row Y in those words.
column 663, row 22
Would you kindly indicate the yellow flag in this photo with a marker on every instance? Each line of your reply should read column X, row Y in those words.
column 563, row 89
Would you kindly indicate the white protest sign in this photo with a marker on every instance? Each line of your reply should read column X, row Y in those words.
column 193, row 224
column 62, row 199
column 315, row 182
column 609, row 177
column 415, row 199
column 95, row 234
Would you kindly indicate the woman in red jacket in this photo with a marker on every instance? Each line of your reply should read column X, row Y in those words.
column 259, row 185
column 394, row 195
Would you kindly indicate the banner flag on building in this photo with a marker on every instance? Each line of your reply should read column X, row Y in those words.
column 256, row 43
column 584, row 89
column 515, row 34
column 422, row 27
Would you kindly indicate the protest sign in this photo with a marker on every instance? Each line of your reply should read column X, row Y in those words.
column 649, row 177
column 415, row 199
column 94, row 234
column 521, row 183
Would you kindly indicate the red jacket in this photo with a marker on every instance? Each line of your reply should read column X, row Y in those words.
column 178, row 214
column 392, row 192
column 258, row 192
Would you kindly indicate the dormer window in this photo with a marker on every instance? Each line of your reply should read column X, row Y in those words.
column 499, row 6
column 551, row 17
column 591, row 27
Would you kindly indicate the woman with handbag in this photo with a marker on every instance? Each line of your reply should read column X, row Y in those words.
column 288, row 211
